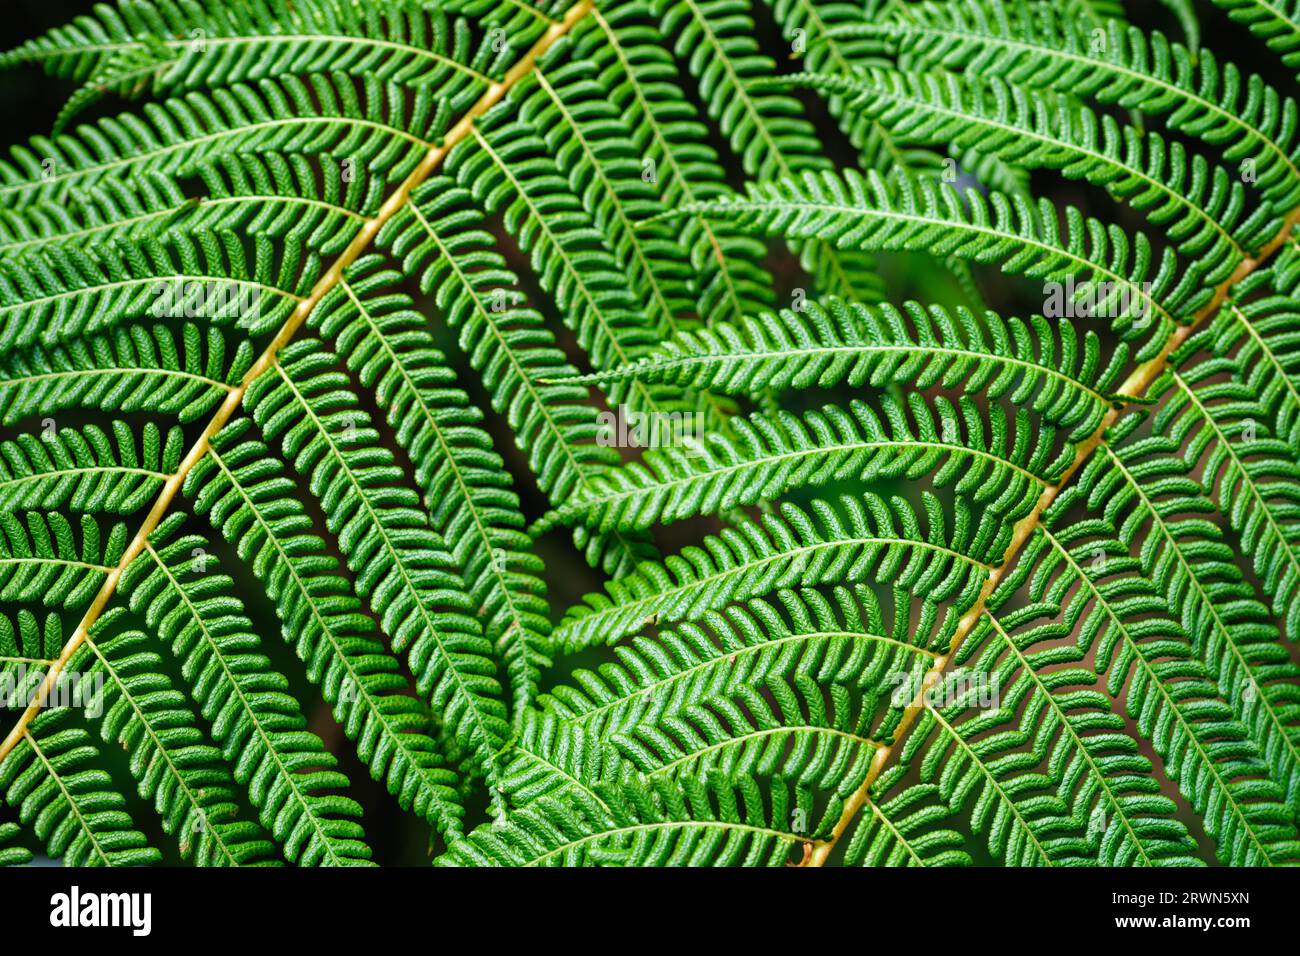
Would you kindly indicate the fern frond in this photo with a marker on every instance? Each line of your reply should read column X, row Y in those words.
column 466, row 487
column 766, row 131
column 42, row 560
column 1276, row 23
column 1033, row 364
column 796, row 633
column 73, row 809
column 375, row 125
column 245, row 291
column 1048, row 731
column 64, row 293
column 12, row 855
column 1149, row 665
column 400, row 562
column 641, row 79
column 1199, row 206
column 592, row 144
column 445, row 241
column 512, row 174
column 246, row 495
column 271, row 195
column 1248, row 470
column 177, row 770
column 716, row 39
column 509, row 344
column 987, row 459
column 1036, row 45
column 718, row 822
column 857, row 540
column 907, row 830
column 853, row 211
column 1257, row 326
column 739, row 691
column 86, row 470
column 134, row 369
column 811, row 28
column 254, row 719
column 403, row 42
column 1138, row 479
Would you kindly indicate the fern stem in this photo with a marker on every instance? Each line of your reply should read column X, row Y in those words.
column 392, row 205
column 1135, row 386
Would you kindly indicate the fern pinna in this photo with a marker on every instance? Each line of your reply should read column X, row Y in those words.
column 914, row 389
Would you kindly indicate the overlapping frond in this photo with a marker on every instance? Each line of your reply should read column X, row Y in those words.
column 1145, row 488
column 691, row 822
column 1039, row 45
column 639, row 76
column 465, row 484
column 1145, row 661
column 73, row 808
column 854, row 539
column 1249, row 472
column 400, row 562
column 246, row 494
column 1198, row 206
column 326, row 114
column 516, row 354
column 70, row 805
column 163, row 46
column 66, row 294
column 787, row 687
column 182, row 775
column 993, row 461
column 136, row 369
column 255, row 721
column 1046, row 367
column 1141, row 293
column 444, row 241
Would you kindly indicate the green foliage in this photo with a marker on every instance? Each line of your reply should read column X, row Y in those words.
column 912, row 390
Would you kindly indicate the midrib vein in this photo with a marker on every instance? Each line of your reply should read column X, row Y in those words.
column 1135, row 386
column 234, row 398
